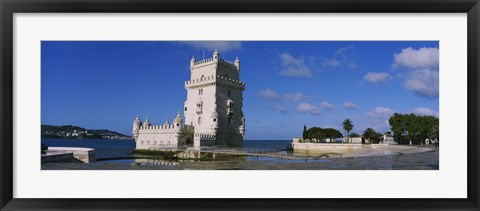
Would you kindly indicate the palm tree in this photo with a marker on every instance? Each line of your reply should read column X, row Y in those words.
column 347, row 126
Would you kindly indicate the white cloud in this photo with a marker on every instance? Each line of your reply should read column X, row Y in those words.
column 377, row 118
column 221, row 46
column 380, row 112
column 417, row 58
column 326, row 105
column 295, row 67
column 308, row 108
column 343, row 56
column 423, row 82
column 376, row 77
column 330, row 62
column 268, row 94
column 422, row 111
column 295, row 97
column 349, row 105
column 344, row 51
column 280, row 108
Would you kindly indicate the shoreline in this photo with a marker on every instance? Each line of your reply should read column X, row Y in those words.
column 375, row 150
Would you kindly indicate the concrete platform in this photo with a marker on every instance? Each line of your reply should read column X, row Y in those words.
column 61, row 154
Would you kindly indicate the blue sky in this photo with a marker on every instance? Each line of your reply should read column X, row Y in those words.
column 104, row 85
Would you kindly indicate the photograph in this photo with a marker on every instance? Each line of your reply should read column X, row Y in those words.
column 240, row 105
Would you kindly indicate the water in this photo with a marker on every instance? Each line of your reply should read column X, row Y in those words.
column 122, row 149
column 103, row 148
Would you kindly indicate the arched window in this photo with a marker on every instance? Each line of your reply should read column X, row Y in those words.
column 199, row 106
column 229, row 107
column 199, row 120
column 202, row 77
column 200, row 91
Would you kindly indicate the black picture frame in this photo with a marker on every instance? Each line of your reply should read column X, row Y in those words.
column 9, row 7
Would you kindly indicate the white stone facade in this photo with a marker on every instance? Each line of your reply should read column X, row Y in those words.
column 213, row 109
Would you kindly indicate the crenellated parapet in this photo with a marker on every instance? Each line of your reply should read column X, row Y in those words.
column 227, row 63
column 212, row 80
column 199, row 81
column 231, row 82
column 194, row 64
column 202, row 62
column 159, row 128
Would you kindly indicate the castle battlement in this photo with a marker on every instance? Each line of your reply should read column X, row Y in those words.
column 209, row 61
column 228, row 63
column 203, row 61
column 212, row 80
column 159, row 128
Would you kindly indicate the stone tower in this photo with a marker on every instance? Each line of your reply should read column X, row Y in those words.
column 214, row 102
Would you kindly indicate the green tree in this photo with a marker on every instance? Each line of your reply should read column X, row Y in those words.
column 433, row 132
column 413, row 128
column 186, row 134
column 332, row 133
column 398, row 127
column 304, row 132
column 315, row 133
column 370, row 134
column 347, row 126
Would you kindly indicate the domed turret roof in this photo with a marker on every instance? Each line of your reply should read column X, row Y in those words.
column 216, row 52
column 137, row 121
column 178, row 119
column 147, row 122
column 237, row 60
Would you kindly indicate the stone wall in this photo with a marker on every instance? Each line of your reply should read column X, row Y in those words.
column 155, row 139
column 324, row 147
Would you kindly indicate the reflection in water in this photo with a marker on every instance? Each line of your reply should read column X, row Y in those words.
column 378, row 160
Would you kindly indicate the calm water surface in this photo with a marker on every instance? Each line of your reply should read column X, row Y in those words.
column 122, row 149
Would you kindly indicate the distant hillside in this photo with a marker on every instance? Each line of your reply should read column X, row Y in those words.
column 76, row 132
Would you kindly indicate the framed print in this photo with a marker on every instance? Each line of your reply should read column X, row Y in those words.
column 239, row 105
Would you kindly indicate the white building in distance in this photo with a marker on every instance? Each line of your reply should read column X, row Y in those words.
column 213, row 110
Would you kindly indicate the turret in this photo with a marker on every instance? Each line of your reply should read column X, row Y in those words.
column 137, row 123
column 216, row 56
column 178, row 121
column 147, row 123
column 192, row 62
column 242, row 126
column 237, row 64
